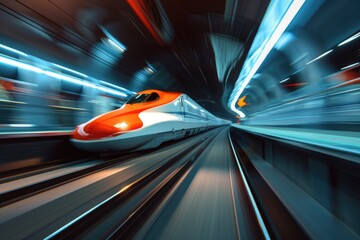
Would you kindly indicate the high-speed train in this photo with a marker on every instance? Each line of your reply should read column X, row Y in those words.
column 146, row 120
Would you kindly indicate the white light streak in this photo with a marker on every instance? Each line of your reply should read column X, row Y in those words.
column 350, row 39
column 20, row 64
column 284, row 80
column 21, row 125
column 350, row 66
column 112, row 41
column 149, row 70
column 321, row 56
column 70, row 70
column 13, row 50
column 116, row 46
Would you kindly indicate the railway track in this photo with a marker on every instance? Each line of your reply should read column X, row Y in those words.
column 44, row 196
column 204, row 187
column 138, row 206
column 169, row 173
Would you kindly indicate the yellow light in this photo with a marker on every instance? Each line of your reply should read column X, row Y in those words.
column 124, row 188
column 241, row 102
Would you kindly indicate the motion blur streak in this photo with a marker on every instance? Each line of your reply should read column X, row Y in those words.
column 283, row 13
column 55, row 96
column 141, row 11
column 86, row 213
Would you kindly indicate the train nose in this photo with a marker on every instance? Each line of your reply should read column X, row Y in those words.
column 98, row 130
column 94, row 131
column 110, row 125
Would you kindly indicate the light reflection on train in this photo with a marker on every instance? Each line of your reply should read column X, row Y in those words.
column 148, row 119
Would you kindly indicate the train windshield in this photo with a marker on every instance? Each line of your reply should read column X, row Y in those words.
column 142, row 98
column 138, row 98
column 153, row 97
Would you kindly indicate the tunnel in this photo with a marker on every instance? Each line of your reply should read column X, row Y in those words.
column 202, row 119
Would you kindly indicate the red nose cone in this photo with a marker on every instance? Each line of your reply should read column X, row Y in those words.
column 93, row 131
column 98, row 130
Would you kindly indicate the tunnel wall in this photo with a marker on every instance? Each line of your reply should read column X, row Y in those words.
column 330, row 178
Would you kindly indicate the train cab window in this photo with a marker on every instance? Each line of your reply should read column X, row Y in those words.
column 138, row 98
column 153, row 97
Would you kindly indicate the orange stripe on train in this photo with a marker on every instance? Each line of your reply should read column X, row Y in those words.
column 121, row 120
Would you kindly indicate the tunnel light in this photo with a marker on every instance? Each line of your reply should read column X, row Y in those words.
column 350, row 39
column 21, row 125
column 284, row 80
column 252, row 65
column 70, row 70
column 321, row 56
column 13, row 50
column 15, row 63
column 149, row 70
column 350, row 66
column 116, row 45
column 112, row 41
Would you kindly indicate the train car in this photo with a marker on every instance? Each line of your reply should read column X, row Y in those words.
column 146, row 120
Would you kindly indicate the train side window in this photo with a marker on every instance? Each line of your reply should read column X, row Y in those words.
column 153, row 97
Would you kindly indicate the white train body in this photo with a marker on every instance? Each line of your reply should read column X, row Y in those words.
column 170, row 116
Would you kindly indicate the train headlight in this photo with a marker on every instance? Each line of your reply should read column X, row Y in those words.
column 122, row 125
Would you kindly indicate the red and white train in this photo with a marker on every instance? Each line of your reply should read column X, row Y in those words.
column 146, row 120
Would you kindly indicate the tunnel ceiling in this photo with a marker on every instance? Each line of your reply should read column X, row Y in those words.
column 194, row 46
